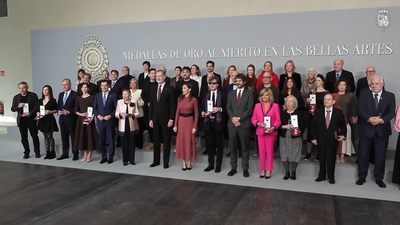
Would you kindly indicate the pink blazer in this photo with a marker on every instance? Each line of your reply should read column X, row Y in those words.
column 397, row 120
column 258, row 116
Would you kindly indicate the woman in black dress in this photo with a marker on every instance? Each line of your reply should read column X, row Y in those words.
column 86, row 137
column 47, row 123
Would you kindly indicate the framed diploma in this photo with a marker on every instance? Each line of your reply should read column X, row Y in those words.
column 25, row 110
column 210, row 106
column 313, row 103
column 89, row 112
column 295, row 123
column 42, row 111
column 267, row 122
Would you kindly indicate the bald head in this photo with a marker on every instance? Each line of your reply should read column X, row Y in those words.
column 163, row 68
column 338, row 65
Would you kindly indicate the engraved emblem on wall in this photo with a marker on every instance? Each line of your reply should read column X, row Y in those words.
column 383, row 19
column 93, row 57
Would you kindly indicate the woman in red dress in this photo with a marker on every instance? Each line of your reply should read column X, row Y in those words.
column 186, row 118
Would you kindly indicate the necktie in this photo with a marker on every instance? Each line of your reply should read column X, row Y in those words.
column 238, row 97
column 159, row 93
column 376, row 100
column 65, row 98
column 213, row 98
column 104, row 99
column 337, row 76
column 327, row 118
column 112, row 84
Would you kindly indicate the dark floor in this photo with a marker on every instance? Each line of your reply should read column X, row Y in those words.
column 33, row 194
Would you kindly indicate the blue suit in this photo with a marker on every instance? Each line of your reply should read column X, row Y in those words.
column 68, row 122
column 376, row 136
column 105, row 128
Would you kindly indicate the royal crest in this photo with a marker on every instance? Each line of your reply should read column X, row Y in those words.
column 93, row 57
column 383, row 19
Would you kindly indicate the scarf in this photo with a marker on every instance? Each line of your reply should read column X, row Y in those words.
column 218, row 115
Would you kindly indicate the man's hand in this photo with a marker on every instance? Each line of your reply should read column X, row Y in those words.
column 101, row 118
column 21, row 105
column 314, row 142
column 341, row 138
column 202, row 114
column 66, row 112
column 216, row 109
column 151, row 123
column 237, row 124
column 170, row 123
column 107, row 118
column 175, row 129
column 235, row 119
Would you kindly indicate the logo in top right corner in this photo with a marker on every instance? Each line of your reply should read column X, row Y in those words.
column 383, row 19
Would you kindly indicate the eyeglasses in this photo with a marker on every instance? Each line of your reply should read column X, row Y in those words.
column 212, row 83
column 267, row 77
column 370, row 71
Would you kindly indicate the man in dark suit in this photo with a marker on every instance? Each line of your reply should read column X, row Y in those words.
column 167, row 79
column 336, row 74
column 161, row 117
column 147, row 89
column 67, row 119
column 104, row 106
column 26, row 105
column 240, row 104
column 186, row 79
column 104, row 76
column 213, row 124
column 113, row 80
column 122, row 83
column 375, row 109
column 327, row 129
column 93, row 90
column 144, row 76
column 365, row 82
column 204, row 82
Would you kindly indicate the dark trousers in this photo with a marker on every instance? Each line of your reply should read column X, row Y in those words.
column 243, row 134
column 379, row 146
column 214, row 140
column 162, row 134
column 139, row 136
column 25, row 125
column 107, row 133
column 327, row 160
column 146, row 122
column 67, row 133
column 128, row 148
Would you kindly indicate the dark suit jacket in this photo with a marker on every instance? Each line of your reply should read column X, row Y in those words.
column 366, row 109
column 203, row 107
column 326, row 136
column 93, row 90
column 244, row 110
column 99, row 85
column 142, row 80
column 362, row 84
column 31, row 99
column 104, row 110
column 204, row 84
column 195, row 87
column 331, row 80
column 71, row 118
column 164, row 110
column 122, row 83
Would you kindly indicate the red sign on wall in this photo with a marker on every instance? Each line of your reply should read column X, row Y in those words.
column 2, row 73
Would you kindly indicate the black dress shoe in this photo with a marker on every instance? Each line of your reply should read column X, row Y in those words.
column 360, row 181
column 381, row 184
column 166, row 166
column 184, row 169
column 217, row 170
column 188, row 168
column 125, row 163
column 228, row 154
column 63, row 157
column 26, row 157
column 287, row 176
column 320, row 179
column 332, row 181
column 133, row 163
column 76, row 157
column 118, row 145
column 37, row 156
column 293, row 177
column 103, row 161
column 110, row 161
column 246, row 173
column 232, row 172
column 154, row 165
column 208, row 169
column 205, row 152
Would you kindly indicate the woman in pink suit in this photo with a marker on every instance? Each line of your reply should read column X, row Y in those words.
column 266, row 135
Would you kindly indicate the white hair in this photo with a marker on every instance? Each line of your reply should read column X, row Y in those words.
column 312, row 69
column 296, row 103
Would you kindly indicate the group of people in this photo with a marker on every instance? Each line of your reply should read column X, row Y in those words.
column 331, row 112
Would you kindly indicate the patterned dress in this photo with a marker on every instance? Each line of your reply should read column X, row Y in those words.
column 289, row 147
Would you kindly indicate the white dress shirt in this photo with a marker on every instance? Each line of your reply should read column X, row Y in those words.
column 330, row 113
column 241, row 92
column 162, row 87
column 379, row 95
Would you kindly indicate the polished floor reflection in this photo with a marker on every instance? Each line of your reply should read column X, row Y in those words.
column 35, row 194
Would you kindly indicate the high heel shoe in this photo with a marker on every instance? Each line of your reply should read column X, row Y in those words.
column 188, row 168
column 287, row 176
column 270, row 174
column 184, row 169
column 263, row 176
column 293, row 177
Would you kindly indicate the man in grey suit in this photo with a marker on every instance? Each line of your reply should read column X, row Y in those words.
column 239, row 107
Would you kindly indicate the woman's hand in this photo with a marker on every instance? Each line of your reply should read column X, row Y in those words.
column 175, row 129
column 193, row 131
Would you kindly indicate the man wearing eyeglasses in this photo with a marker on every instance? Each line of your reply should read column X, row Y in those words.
column 211, row 108
column 365, row 82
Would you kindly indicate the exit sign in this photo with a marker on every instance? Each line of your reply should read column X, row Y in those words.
column 2, row 73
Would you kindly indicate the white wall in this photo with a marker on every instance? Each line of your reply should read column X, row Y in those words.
column 25, row 15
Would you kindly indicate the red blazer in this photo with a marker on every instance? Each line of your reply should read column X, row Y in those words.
column 258, row 116
column 274, row 79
